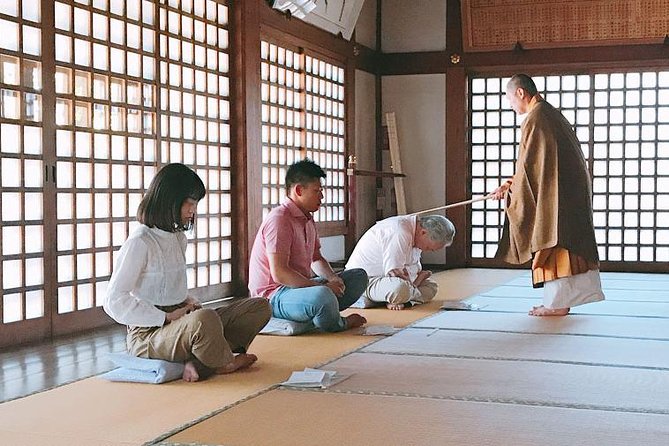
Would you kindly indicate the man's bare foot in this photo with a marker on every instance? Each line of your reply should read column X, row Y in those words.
column 395, row 306
column 543, row 311
column 354, row 321
column 241, row 361
column 190, row 373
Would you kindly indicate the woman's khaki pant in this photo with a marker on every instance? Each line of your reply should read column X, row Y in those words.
column 210, row 336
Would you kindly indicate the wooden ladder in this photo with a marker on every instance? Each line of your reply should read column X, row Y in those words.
column 396, row 163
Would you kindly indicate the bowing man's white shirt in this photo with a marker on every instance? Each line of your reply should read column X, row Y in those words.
column 150, row 270
column 388, row 245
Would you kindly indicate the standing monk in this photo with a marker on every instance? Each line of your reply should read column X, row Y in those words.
column 548, row 206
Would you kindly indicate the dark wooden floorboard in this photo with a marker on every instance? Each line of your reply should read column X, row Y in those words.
column 37, row 367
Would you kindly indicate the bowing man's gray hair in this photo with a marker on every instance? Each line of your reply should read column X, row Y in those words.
column 439, row 228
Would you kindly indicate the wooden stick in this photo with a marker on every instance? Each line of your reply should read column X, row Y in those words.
column 454, row 205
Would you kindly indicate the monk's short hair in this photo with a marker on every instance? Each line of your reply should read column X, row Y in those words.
column 439, row 228
column 303, row 172
column 522, row 81
column 170, row 188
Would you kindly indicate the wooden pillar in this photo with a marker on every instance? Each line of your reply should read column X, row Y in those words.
column 349, row 92
column 246, row 147
column 457, row 166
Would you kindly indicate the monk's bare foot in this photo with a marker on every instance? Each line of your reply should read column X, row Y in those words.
column 395, row 307
column 241, row 361
column 543, row 311
column 190, row 373
column 355, row 320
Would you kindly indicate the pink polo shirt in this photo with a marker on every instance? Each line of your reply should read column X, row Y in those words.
column 285, row 230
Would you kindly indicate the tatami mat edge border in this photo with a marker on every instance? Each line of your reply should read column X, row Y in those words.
column 540, row 333
column 502, row 358
column 575, row 313
column 516, row 402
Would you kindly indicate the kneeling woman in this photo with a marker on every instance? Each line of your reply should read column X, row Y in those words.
column 148, row 291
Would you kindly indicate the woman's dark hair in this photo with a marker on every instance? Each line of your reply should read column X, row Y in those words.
column 161, row 205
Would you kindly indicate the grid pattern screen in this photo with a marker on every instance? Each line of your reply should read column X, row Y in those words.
column 195, row 125
column 105, row 137
column 622, row 122
column 282, row 118
column 135, row 85
column 302, row 115
column 22, row 254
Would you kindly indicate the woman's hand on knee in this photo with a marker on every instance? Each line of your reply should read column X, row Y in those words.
column 179, row 313
column 193, row 302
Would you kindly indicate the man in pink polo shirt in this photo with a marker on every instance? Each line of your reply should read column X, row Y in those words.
column 285, row 252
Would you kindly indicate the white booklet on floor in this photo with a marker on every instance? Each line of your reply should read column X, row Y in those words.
column 314, row 378
column 377, row 330
column 461, row 306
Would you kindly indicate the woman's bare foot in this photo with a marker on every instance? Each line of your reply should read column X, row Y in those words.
column 354, row 321
column 241, row 361
column 395, row 306
column 543, row 311
column 190, row 373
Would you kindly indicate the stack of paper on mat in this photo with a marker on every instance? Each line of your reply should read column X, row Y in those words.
column 321, row 379
column 456, row 305
column 284, row 327
column 377, row 330
column 142, row 370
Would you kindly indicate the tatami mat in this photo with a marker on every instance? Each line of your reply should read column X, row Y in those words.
column 617, row 281
column 596, row 377
column 290, row 418
column 599, row 376
column 575, row 324
column 611, row 294
column 97, row 412
column 581, row 386
column 94, row 411
column 527, row 347
column 603, row 308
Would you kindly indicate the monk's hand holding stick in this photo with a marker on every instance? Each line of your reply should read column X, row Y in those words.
column 500, row 192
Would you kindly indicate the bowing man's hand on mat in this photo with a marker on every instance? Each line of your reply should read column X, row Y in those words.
column 402, row 273
column 421, row 277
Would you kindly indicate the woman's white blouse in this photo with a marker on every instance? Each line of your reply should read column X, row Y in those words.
column 150, row 270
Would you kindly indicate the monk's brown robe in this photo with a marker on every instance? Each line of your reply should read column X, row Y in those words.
column 549, row 202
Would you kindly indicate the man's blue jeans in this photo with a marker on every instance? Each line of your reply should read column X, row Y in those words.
column 319, row 304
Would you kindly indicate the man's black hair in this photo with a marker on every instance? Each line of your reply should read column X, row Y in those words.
column 303, row 172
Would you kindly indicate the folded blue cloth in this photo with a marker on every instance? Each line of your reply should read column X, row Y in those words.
column 285, row 327
column 142, row 370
